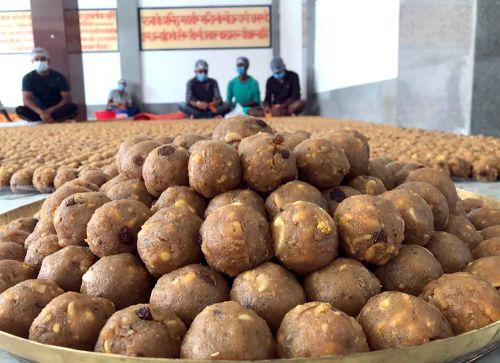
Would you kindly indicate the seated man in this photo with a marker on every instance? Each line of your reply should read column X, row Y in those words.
column 283, row 91
column 120, row 99
column 245, row 89
column 203, row 98
column 46, row 93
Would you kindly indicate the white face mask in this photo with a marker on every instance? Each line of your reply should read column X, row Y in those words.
column 40, row 66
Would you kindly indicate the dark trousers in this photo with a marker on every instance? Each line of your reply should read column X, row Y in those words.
column 194, row 112
column 63, row 113
column 295, row 108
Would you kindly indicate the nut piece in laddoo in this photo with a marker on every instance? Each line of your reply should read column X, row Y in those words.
column 71, row 320
column 234, row 129
column 484, row 217
column 245, row 196
column 410, row 270
column 305, row 237
column 113, row 227
column 292, row 192
column 316, row 329
column 466, row 301
column 181, row 197
column 266, row 162
column 334, row 196
column 122, row 279
column 22, row 303
column 13, row 272
column 67, row 266
column 142, row 331
column 321, row 163
column 188, row 290
column 235, row 238
column 166, row 166
column 214, row 168
column 345, row 284
column 367, row 185
column 169, row 240
column 451, row 252
column 269, row 290
column 251, row 338
column 370, row 228
column 395, row 319
column 130, row 189
column 462, row 228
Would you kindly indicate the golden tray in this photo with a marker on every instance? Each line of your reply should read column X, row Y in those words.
column 462, row 348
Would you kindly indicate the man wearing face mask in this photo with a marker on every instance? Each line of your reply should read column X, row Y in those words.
column 245, row 89
column 46, row 93
column 120, row 99
column 283, row 91
column 203, row 98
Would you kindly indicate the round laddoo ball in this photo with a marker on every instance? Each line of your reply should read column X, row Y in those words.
column 73, row 215
column 416, row 213
column 235, row 238
column 486, row 268
column 370, row 228
column 266, row 162
column 450, row 251
column 291, row 192
column 165, row 139
column 316, row 329
column 305, row 237
column 367, row 185
column 489, row 247
column 14, row 235
column 113, row 227
column 26, row 224
column 169, row 240
column 96, row 177
column 394, row 319
column 122, row 279
column 251, row 338
column 22, row 303
column 334, row 196
column 214, row 168
column 188, row 290
column 126, row 145
column 133, row 159
column 490, row 232
column 467, row 205
column 345, row 284
column 465, row 300
column 321, row 163
column 402, row 173
column 484, row 217
column 269, row 290
column 12, row 251
column 462, row 228
column 71, row 320
column 67, row 266
column 83, row 183
column 130, row 189
column 434, row 198
column 187, row 140
column 234, row 129
column 245, row 196
column 41, row 248
column 22, row 181
column 111, row 170
column 355, row 148
column 181, row 197
column 156, row 333
column 292, row 139
column 64, row 175
column 43, row 179
column 376, row 168
column 13, row 272
column 120, row 178
column 166, row 166
column 410, row 270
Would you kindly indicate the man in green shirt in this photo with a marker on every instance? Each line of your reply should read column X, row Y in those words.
column 245, row 89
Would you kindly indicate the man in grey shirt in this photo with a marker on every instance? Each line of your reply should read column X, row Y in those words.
column 120, row 99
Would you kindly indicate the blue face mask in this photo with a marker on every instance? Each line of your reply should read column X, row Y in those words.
column 279, row 75
column 121, row 87
column 202, row 77
column 241, row 71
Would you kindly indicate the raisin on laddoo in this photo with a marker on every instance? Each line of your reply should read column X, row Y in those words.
column 316, row 329
column 113, row 227
column 305, row 237
column 266, row 162
column 41, row 248
column 334, row 196
column 67, row 266
column 489, row 247
column 122, row 279
column 370, row 228
column 355, row 148
column 133, row 159
column 22, row 303
column 188, row 290
column 466, row 301
column 345, row 284
column 416, row 213
column 451, row 252
column 13, row 272
column 484, row 217
column 181, row 197
column 234, row 129
column 169, row 240
column 410, row 270
column 462, row 228
column 130, row 189
column 214, row 168
column 269, row 290
column 125, row 146
column 71, row 320
column 321, row 163
column 73, row 214
column 166, row 166
column 292, row 192
column 251, row 338
column 235, row 238
column 486, row 268
column 142, row 331
column 394, row 319
column 245, row 196
column 367, row 184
